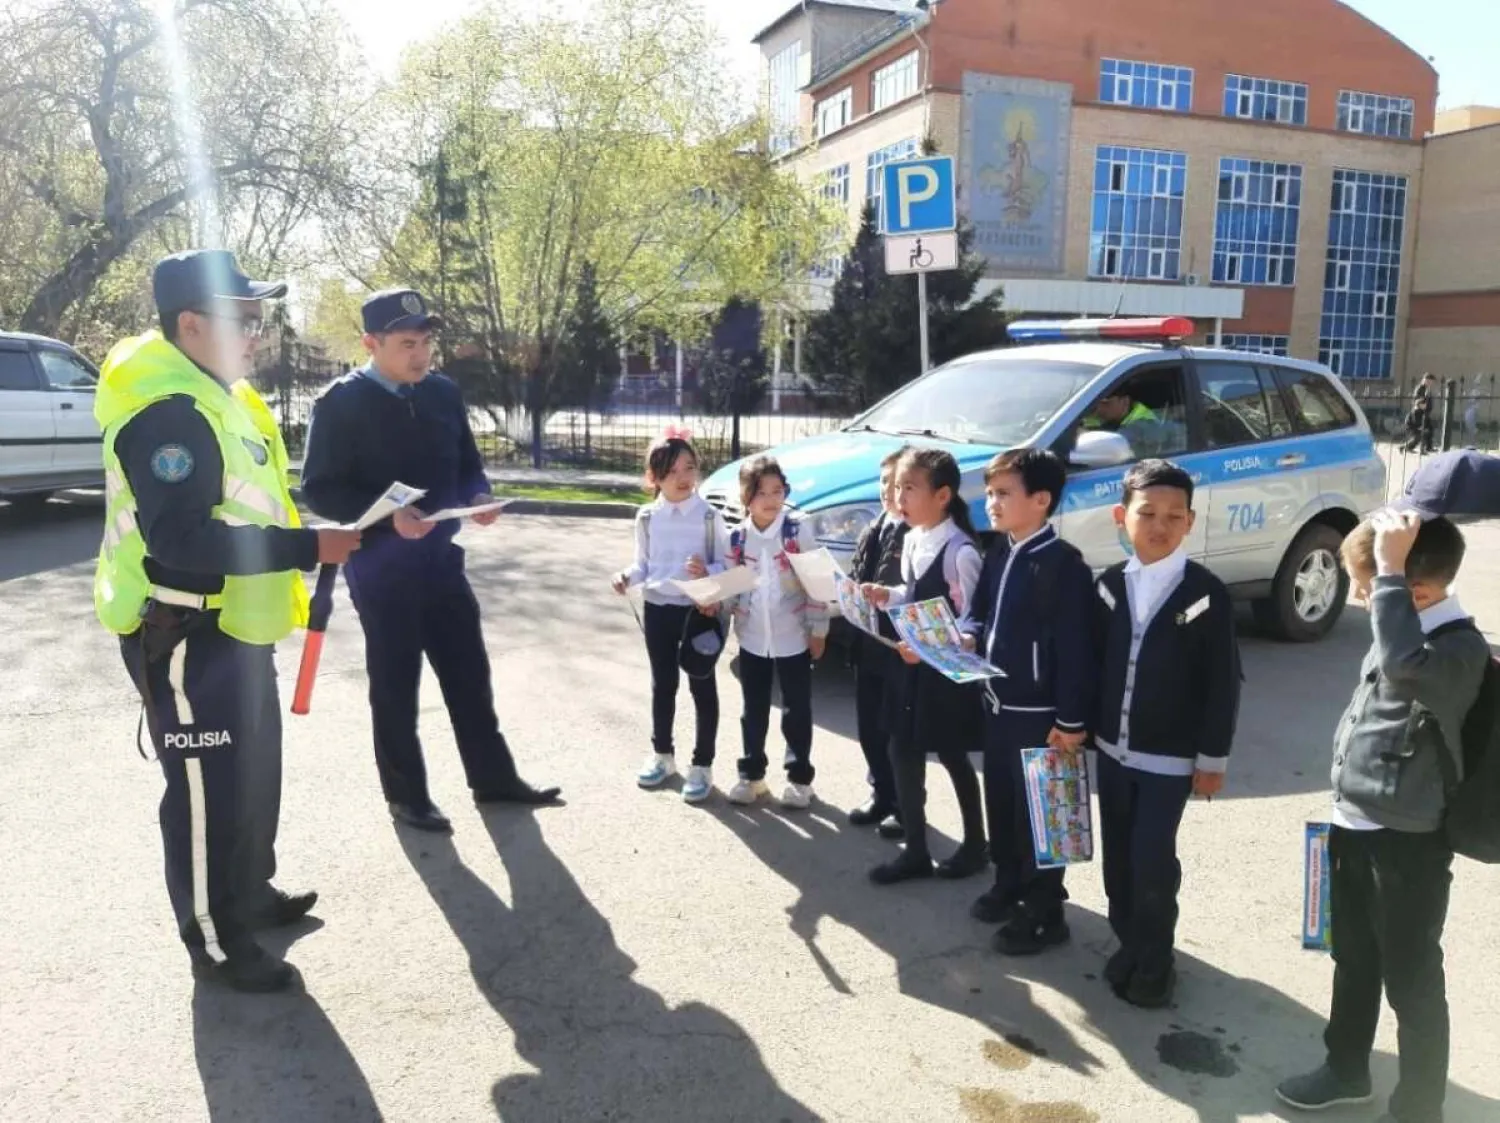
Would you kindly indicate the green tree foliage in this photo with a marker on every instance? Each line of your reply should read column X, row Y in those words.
column 868, row 343
column 95, row 177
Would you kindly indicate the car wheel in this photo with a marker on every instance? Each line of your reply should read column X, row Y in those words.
column 1310, row 589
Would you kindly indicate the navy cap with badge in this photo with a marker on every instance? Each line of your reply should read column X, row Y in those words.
column 192, row 280
column 398, row 310
column 1454, row 485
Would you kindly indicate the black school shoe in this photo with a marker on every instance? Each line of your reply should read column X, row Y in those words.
column 1323, row 1088
column 907, row 867
column 870, row 813
column 1029, row 934
column 1119, row 970
column 891, row 828
column 1150, row 992
column 966, row 861
column 249, row 970
column 517, row 791
column 993, row 906
column 428, row 819
column 280, row 909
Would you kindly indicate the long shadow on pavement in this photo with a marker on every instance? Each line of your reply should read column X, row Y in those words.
column 265, row 1057
column 1219, row 1050
column 605, row 1046
column 53, row 535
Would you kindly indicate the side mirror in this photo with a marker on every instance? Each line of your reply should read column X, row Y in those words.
column 1099, row 448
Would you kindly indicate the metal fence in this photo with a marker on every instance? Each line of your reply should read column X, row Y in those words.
column 1465, row 413
column 613, row 435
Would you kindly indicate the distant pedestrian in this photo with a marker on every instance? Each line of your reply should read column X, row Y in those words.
column 877, row 559
column 927, row 711
column 781, row 630
column 1169, row 694
column 1419, row 420
column 678, row 536
column 1395, row 749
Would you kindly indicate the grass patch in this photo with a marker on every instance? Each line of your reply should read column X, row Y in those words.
column 571, row 494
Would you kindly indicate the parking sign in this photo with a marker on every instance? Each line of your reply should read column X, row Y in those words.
column 917, row 196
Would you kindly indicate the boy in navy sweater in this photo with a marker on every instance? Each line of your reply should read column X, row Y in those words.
column 1169, row 695
column 1030, row 618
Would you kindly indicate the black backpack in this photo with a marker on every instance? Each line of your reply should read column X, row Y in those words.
column 1472, row 821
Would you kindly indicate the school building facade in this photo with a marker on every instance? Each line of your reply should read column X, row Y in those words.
column 1265, row 169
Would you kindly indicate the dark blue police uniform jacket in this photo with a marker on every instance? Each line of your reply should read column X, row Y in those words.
column 367, row 433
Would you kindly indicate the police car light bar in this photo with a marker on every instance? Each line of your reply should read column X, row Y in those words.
column 1155, row 328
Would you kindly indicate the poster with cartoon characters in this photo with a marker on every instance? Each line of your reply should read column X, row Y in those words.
column 856, row 609
column 1057, row 794
column 929, row 629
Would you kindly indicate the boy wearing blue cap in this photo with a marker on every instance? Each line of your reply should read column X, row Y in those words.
column 395, row 419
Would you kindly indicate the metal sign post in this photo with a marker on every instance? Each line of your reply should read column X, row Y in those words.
column 919, row 217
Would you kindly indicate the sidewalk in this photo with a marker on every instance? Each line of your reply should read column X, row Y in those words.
column 547, row 477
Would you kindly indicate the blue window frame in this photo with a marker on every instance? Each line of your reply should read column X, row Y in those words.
column 1362, row 277
column 1146, row 85
column 890, row 154
column 1258, row 344
column 1136, row 229
column 1375, row 114
column 1255, row 225
column 835, row 184
column 1265, row 99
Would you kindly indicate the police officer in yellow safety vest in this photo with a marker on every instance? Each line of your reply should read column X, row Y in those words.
column 198, row 576
column 1117, row 411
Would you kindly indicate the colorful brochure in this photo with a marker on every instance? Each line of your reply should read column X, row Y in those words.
column 856, row 609
column 397, row 496
column 1057, row 794
column 929, row 629
column 1316, row 913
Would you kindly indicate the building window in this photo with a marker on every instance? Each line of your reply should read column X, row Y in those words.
column 890, row 154
column 1255, row 226
column 782, row 86
column 1145, row 85
column 1375, row 114
column 830, row 268
column 835, row 112
column 1264, row 99
column 1362, row 278
column 835, row 185
column 1136, row 229
column 1259, row 344
column 892, row 83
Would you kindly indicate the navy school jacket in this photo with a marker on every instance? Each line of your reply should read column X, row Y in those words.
column 1169, row 693
column 1032, row 618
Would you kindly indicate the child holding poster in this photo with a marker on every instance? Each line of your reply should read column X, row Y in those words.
column 1169, row 695
column 1030, row 618
column 929, row 712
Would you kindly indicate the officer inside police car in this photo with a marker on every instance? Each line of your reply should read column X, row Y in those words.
column 198, row 575
column 397, row 420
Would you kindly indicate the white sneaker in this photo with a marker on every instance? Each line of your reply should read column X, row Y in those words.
column 798, row 797
column 658, row 769
column 699, row 782
column 747, row 792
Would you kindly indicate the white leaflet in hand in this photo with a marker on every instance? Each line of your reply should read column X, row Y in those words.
column 397, row 496
column 716, row 587
column 818, row 573
column 466, row 512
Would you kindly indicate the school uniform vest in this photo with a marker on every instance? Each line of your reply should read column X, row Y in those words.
column 877, row 560
column 924, row 708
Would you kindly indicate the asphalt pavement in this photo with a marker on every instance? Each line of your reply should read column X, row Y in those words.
column 626, row 956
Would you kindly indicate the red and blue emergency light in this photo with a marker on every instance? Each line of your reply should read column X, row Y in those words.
column 1150, row 329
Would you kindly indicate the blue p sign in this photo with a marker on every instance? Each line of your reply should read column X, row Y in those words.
column 917, row 196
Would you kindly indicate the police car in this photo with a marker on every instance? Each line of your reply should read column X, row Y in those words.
column 1284, row 460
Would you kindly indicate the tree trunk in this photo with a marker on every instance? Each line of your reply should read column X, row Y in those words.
column 534, row 408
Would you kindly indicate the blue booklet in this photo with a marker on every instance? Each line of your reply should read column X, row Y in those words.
column 1315, row 888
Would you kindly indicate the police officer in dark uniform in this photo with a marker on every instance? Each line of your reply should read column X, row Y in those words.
column 198, row 575
column 395, row 419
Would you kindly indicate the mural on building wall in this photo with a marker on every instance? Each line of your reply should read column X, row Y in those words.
column 1014, row 170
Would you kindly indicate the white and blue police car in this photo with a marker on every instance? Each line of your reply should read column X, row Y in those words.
column 1284, row 460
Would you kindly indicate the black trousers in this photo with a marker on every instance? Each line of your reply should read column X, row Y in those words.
column 870, row 686
column 664, row 624
column 215, row 722
column 909, row 769
column 1389, row 900
column 406, row 616
column 1139, row 813
column 1016, row 875
column 794, row 673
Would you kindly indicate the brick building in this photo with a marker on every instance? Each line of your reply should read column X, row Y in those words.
column 1259, row 167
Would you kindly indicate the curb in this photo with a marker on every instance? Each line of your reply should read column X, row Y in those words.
column 558, row 508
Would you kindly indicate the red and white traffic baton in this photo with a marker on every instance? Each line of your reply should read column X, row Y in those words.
column 312, row 646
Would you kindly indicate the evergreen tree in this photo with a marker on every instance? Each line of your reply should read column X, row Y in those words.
column 868, row 342
column 589, row 353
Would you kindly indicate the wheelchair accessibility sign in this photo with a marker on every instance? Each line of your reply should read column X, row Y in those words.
column 921, row 253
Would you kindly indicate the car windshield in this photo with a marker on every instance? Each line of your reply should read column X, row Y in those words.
column 984, row 401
